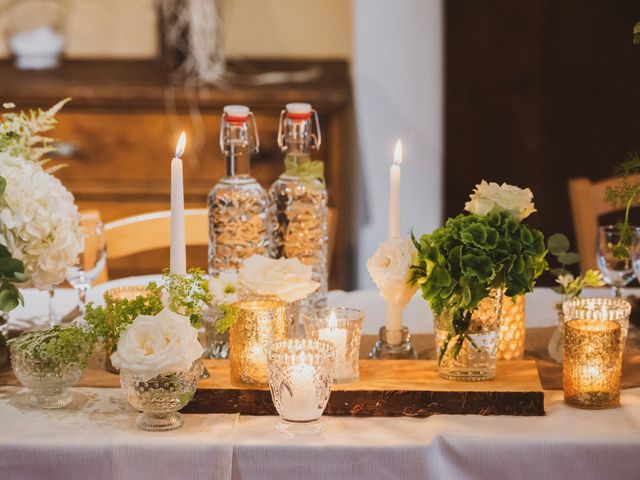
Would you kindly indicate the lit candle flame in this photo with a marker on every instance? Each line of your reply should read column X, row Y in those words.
column 180, row 146
column 397, row 153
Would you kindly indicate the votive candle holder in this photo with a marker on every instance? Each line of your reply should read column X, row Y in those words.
column 258, row 323
column 300, row 379
column 341, row 327
column 592, row 364
column 604, row 309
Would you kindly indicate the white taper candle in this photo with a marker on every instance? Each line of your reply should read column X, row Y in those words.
column 394, row 192
column 178, row 264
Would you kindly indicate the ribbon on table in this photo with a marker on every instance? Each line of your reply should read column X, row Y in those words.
column 310, row 173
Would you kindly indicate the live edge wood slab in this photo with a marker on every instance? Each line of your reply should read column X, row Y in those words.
column 390, row 388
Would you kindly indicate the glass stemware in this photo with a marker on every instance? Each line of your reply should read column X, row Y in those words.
column 617, row 272
column 91, row 259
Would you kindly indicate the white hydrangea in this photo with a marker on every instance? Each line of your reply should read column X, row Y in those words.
column 39, row 221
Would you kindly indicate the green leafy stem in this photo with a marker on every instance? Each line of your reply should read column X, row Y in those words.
column 460, row 322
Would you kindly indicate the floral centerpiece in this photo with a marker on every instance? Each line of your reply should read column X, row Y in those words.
column 224, row 290
column 464, row 269
column 159, row 361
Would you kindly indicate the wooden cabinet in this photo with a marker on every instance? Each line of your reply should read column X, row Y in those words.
column 118, row 133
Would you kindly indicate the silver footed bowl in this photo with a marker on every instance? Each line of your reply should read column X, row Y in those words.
column 160, row 398
column 48, row 383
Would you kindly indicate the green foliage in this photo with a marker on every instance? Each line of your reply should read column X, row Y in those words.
column 461, row 262
column 11, row 273
column 57, row 346
column 20, row 132
column 110, row 321
column 636, row 34
column 229, row 315
column 568, row 285
column 188, row 294
column 625, row 195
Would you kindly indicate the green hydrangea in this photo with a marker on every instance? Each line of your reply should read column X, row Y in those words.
column 461, row 262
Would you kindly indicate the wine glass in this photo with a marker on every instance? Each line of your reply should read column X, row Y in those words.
column 617, row 272
column 91, row 259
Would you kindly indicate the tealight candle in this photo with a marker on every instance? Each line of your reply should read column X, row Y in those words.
column 592, row 364
column 341, row 327
column 300, row 371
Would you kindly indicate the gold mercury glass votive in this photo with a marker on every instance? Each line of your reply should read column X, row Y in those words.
column 259, row 322
column 512, row 328
column 592, row 363
column 126, row 293
column 603, row 309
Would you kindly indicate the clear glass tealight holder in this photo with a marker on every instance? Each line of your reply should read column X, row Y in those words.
column 300, row 379
column 258, row 323
column 592, row 364
column 612, row 309
column 341, row 327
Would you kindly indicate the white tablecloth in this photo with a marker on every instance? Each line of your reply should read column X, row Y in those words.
column 97, row 438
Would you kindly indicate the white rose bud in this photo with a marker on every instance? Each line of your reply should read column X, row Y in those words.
column 390, row 269
column 492, row 198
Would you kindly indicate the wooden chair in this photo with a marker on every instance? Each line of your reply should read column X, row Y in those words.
column 150, row 231
column 588, row 203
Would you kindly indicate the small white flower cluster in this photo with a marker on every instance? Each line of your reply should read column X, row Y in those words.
column 492, row 198
column 39, row 221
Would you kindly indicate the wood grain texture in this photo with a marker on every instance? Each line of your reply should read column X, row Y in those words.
column 538, row 92
column 389, row 388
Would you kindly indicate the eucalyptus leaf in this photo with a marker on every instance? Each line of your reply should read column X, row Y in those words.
column 3, row 185
column 569, row 258
column 558, row 244
column 11, row 265
column 8, row 300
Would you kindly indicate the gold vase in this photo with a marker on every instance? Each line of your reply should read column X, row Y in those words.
column 259, row 323
column 512, row 328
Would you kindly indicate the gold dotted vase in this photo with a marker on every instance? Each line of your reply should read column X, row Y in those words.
column 592, row 363
column 259, row 323
column 512, row 328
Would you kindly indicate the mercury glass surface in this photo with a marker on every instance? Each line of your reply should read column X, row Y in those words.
column 49, row 386
column 300, row 379
column 160, row 398
column 342, row 327
column 592, row 308
column 259, row 322
column 300, row 219
column 592, row 364
column 512, row 328
column 475, row 361
column 238, row 222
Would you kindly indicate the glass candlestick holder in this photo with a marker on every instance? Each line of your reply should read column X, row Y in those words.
column 394, row 342
column 300, row 378
column 341, row 327
column 592, row 364
column 258, row 323
column 612, row 309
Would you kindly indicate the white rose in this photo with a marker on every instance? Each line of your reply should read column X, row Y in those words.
column 154, row 345
column 224, row 287
column 390, row 269
column 491, row 198
column 286, row 278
